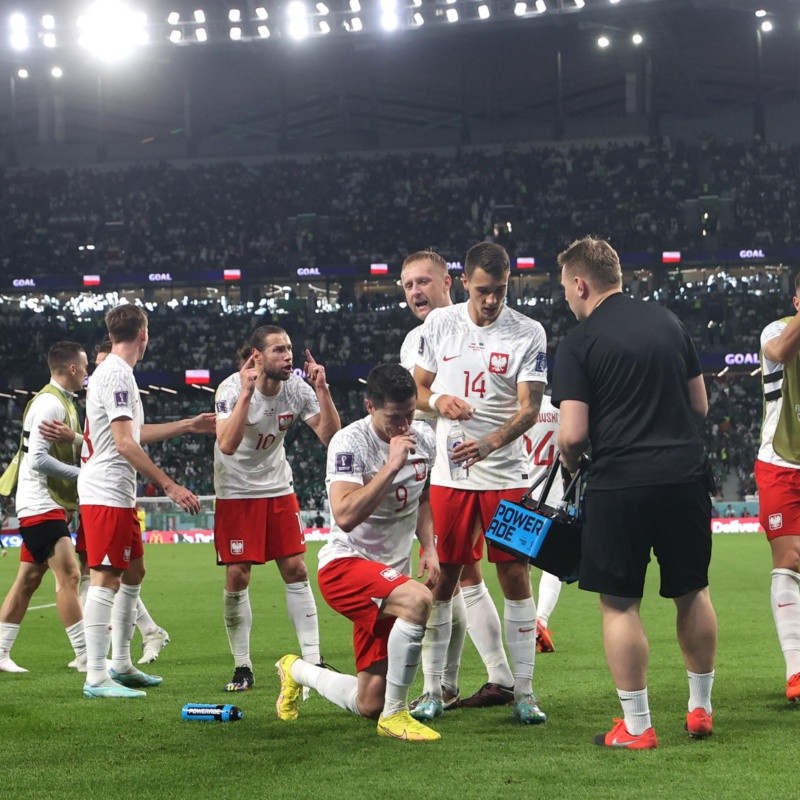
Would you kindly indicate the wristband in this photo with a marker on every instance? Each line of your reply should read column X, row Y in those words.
column 432, row 402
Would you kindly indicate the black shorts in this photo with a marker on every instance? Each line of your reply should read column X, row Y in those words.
column 622, row 526
column 40, row 539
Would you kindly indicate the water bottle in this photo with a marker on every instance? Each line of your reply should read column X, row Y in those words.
column 209, row 712
column 455, row 436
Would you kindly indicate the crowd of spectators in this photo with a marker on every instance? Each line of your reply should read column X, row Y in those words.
column 342, row 209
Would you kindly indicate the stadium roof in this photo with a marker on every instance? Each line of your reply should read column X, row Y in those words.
column 475, row 81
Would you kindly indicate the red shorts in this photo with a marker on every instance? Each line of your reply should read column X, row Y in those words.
column 350, row 586
column 778, row 499
column 80, row 538
column 56, row 515
column 113, row 536
column 257, row 530
column 455, row 514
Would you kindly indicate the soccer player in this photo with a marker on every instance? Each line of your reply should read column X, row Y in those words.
column 112, row 455
column 257, row 516
column 777, row 472
column 628, row 381
column 483, row 365
column 377, row 475
column 46, row 496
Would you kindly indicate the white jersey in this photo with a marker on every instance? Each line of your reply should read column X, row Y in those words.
column 259, row 467
column 772, row 408
column 33, row 496
column 106, row 478
column 541, row 448
column 356, row 453
column 408, row 359
column 483, row 365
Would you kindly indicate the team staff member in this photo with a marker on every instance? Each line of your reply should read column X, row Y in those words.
column 257, row 516
column 377, row 478
column 777, row 472
column 628, row 382
column 484, row 365
column 46, row 494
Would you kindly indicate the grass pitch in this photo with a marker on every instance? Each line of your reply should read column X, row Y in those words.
column 57, row 744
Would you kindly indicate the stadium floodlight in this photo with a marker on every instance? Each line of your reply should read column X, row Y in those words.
column 355, row 6
column 200, row 16
column 234, row 15
column 173, row 18
column 48, row 22
column 19, row 38
column 483, row 11
column 520, row 9
column 766, row 26
column 111, row 30
column 263, row 31
column 201, row 34
column 57, row 72
column 323, row 9
column 761, row 13
column 613, row 2
column 540, row 6
column 452, row 15
column 418, row 19
column 580, row 3
column 416, row 3
column 23, row 73
column 603, row 42
column 389, row 19
column 324, row 28
column 261, row 13
column 298, row 21
column 49, row 40
column 175, row 36
column 355, row 24
column 637, row 39
column 236, row 34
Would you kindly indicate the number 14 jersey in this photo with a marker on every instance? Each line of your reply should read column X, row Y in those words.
column 482, row 365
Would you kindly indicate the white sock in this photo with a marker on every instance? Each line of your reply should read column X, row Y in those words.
column 636, row 709
column 434, row 645
column 8, row 635
column 549, row 590
column 455, row 648
column 483, row 626
column 302, row 610
column 96, row 623
column 77, row 639
column 785, row 597
column 403, row 649
column 83, row 588
column 123, row 623
column 342, row 690
column 144, row 622
column 700, row 690
column 238, row 616
column 520, row 624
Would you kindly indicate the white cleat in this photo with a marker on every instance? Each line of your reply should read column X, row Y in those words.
column 152, row 645
column 7, row 665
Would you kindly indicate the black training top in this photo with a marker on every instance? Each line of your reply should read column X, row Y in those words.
column 631, row 361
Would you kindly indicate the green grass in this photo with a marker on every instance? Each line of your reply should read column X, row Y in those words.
column 56, row 744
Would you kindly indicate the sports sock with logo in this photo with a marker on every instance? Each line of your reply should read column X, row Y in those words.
column 455, row 647
column 636, row 710
column 96, row 624
column 520, row 624
column 549, row 591
column 302, row 610
column 123, row 622
column 238, row 616
column 144, row 622
column 483, row 626
column 434, row 645
column 700, row 685
column 785, row 597
column 404, row 649
column 342, row 690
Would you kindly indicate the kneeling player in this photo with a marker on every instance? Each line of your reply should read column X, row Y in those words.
column 377, row 484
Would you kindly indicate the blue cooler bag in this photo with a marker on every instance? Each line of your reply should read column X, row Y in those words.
column 549, row 538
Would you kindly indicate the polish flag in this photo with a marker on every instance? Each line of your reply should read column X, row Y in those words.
column 197, row 377
column 671, row 257
column 232, row 274
column 526, row 263
column 378, row 269
column 91, row 280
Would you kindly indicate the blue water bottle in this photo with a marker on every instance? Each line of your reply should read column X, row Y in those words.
column 209, row 712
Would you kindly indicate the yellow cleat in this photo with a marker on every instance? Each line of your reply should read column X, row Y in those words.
column 403, row 726
column 286, row 704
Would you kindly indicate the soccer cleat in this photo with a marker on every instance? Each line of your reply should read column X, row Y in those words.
column 527, row 711
column 242, row 680
column 286, row 704
column 136, row 679
column 427, row 707
column 7, row 665
column 490, row 694
column 618, row 736
column 544, row 642
column 699, row 724
column 792, row 687
column 152, row 645
column 403, row 726
column 111, row 689
column 450, row 697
